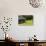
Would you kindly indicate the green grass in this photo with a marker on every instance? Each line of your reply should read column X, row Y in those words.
column 27, row 23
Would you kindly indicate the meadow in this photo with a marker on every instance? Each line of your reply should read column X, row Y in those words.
column 27, row 23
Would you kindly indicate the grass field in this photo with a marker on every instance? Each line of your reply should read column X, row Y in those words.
column 27, row 23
